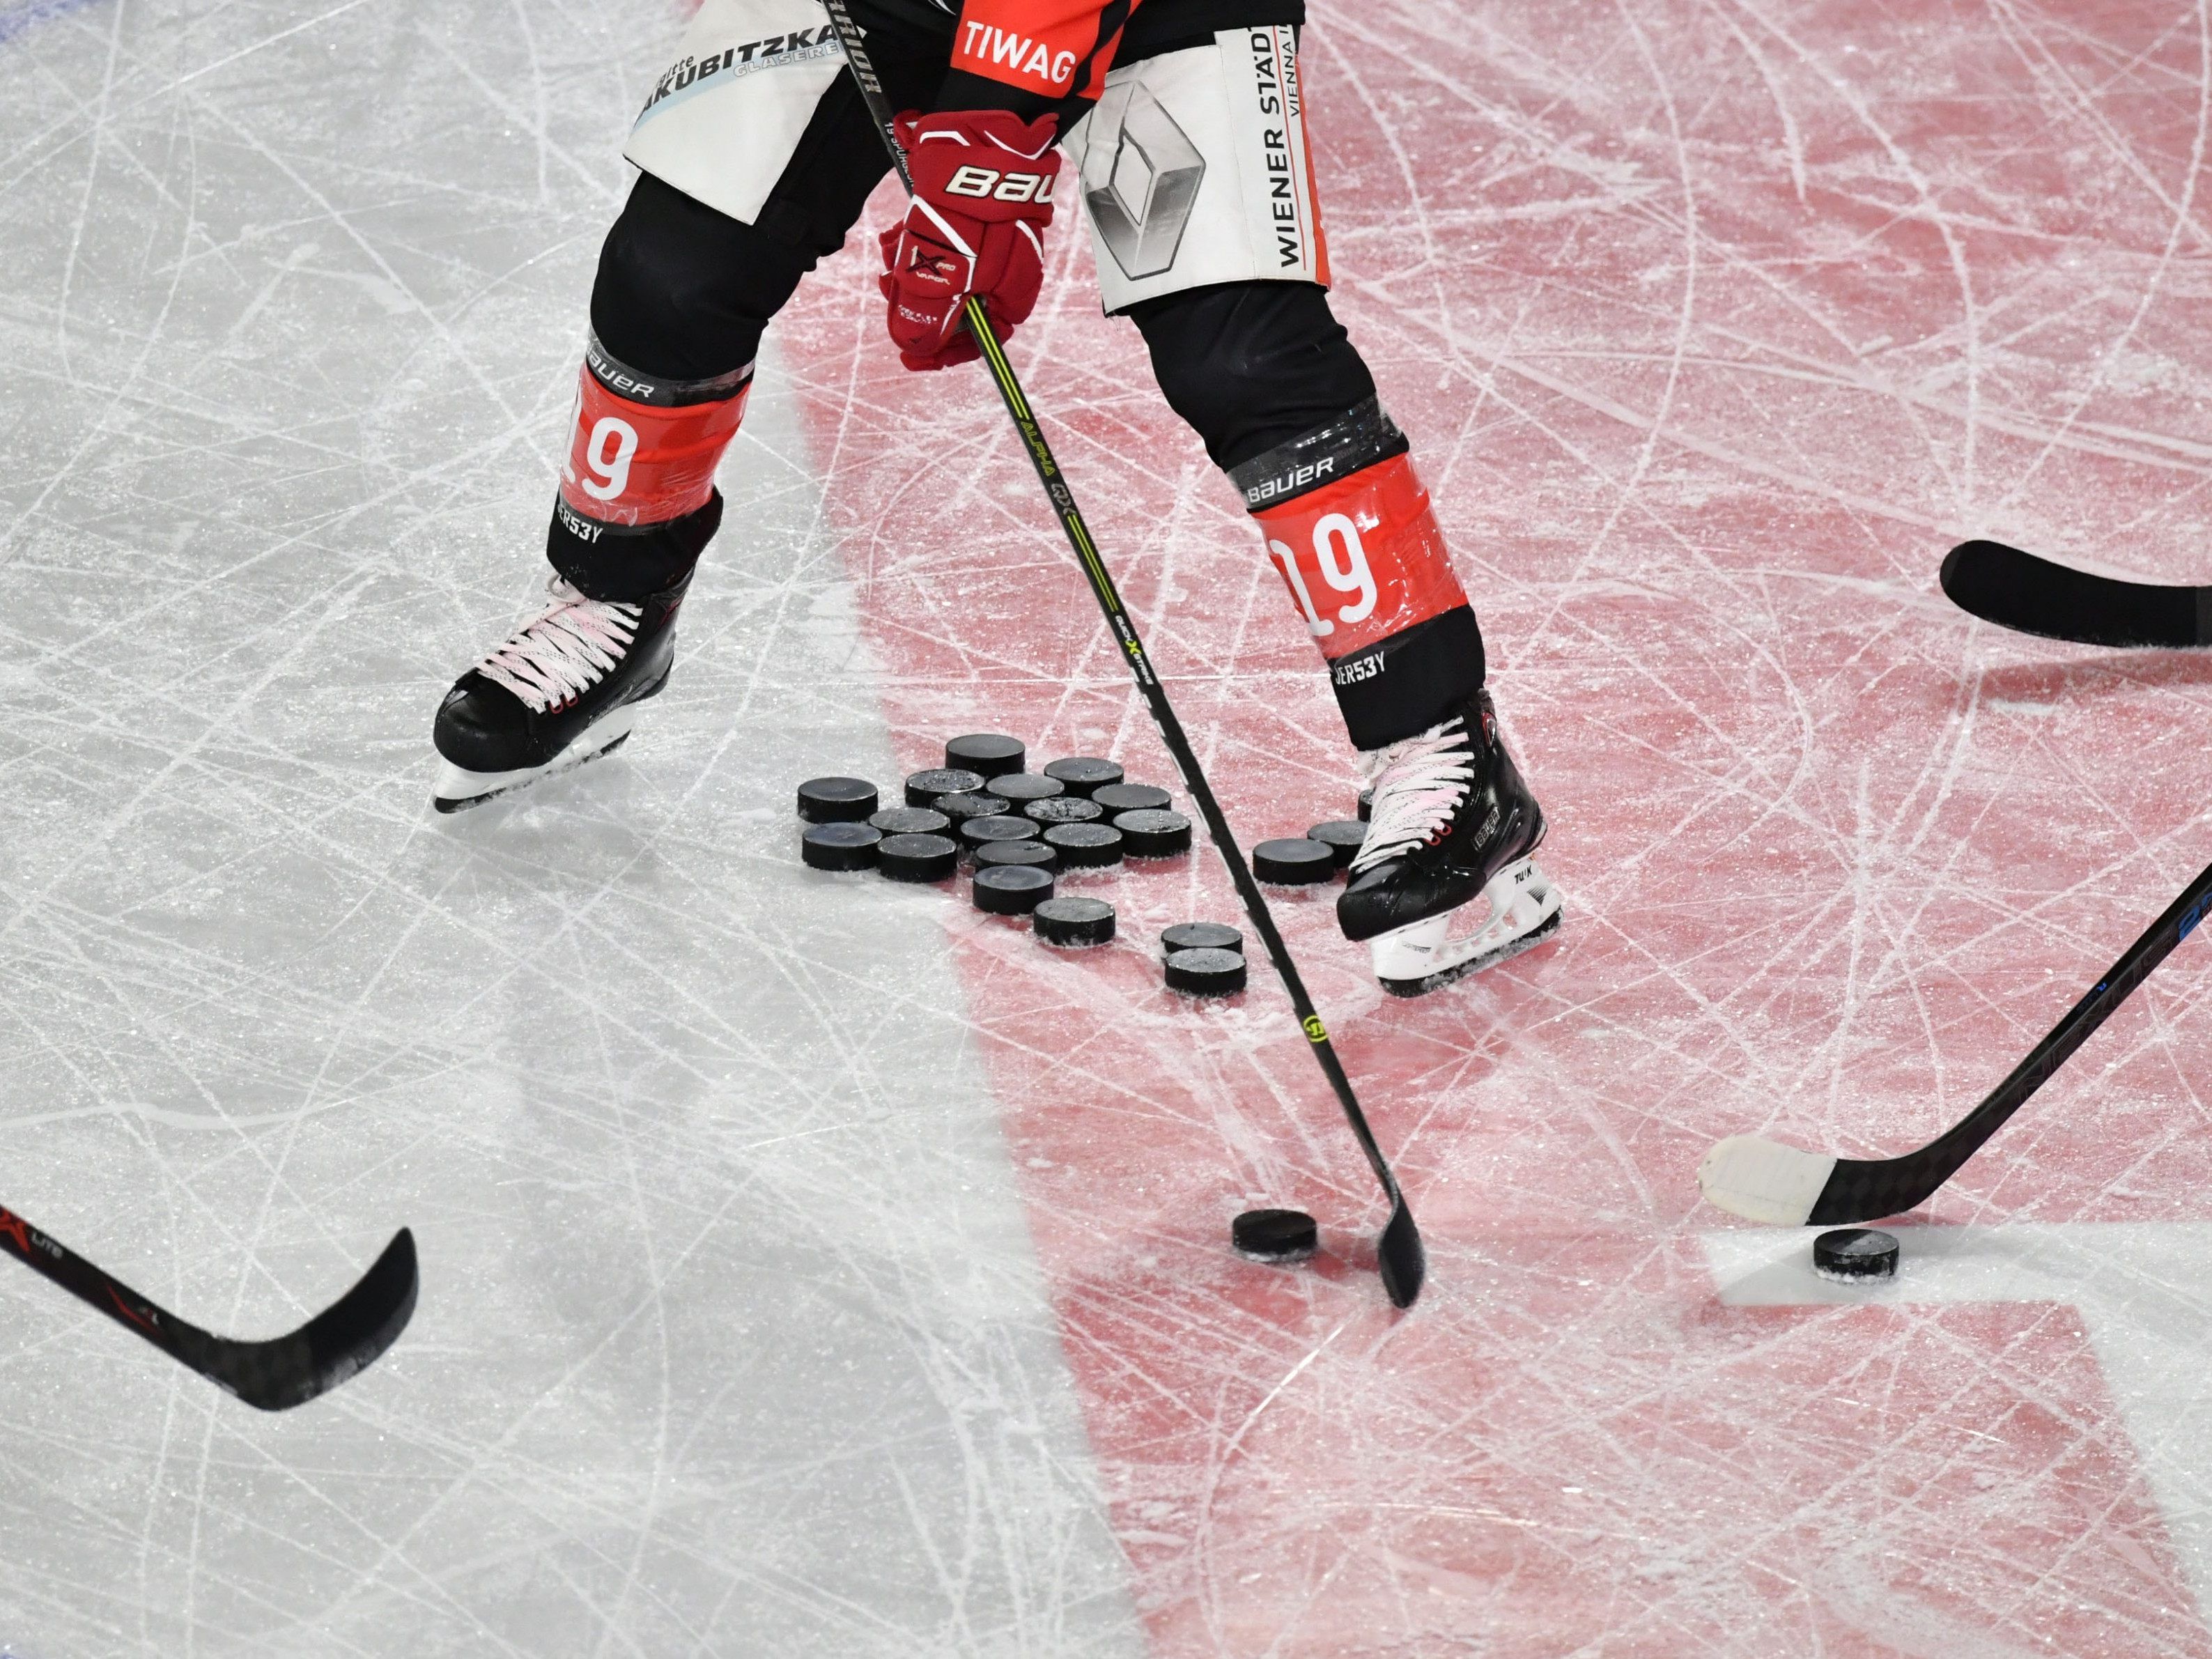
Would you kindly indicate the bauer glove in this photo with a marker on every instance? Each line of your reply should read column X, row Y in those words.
column 982, row 197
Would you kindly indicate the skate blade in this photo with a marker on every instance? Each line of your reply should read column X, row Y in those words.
column 458, row 788
column 1524, row 911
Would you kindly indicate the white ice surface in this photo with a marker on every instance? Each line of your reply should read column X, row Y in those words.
column 2141, row 1292
column 732, row 1339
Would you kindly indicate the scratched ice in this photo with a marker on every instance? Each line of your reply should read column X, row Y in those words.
column 815, row 1268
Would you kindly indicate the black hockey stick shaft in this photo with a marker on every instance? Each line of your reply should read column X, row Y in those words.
column 273, row 1376
column 1867, row 1190
column 1400, row 1254
column 2034, row 595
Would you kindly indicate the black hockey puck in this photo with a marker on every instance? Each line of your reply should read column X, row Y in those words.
column 1064, row 809
column 979, row 833
column 917, row 858
column 991, row 753
column 923, row 787
column 1201, row 936
column 1075, row 921
column 836, row 801
column 1275, row 1235
column 840, row 845
column 911, row 821
column 1341, row 836
column 1084, row 774
column 1366, row 805
column 1147, row 835
column 1012, row 890
column 1293, row 862
column 1207, row 973
column 1132, row 798
column 1855, row 1254
column 1023, row 788
column 1086, row 846
column 1034, row 854
column 960, row 808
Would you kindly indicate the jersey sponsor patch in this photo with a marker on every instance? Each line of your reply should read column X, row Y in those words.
column 691, row 74
column 1024, row 43
column 1284, row 208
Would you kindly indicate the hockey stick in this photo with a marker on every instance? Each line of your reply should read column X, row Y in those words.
column 272, row 1375
column 1764, row 1180
column 1399, row 1252
column 2018, row 590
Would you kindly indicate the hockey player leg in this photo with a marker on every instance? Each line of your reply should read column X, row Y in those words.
column 1444, row 885
column 683, row 294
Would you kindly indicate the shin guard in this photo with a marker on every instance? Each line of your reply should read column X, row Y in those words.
column 637, row 500
column 1348, row 524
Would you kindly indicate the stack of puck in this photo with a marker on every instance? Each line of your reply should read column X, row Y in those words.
column 1204, row 958
column 1018, row 831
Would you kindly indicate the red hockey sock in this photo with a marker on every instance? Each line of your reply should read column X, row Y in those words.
column 1346, row 521
column 644, row 449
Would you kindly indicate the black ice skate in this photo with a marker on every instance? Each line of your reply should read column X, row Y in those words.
column 1444, row 886
column 564, row 689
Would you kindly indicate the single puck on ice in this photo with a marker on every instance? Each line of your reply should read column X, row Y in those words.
column 1012, row 890
column 917, row 858
column 1341, row 836
column 960, row 808
column 1366, row 804
column 911, row 821
column 1084, row 774
column 991, row 753
column 1064, row 809
column 1075, row 921
column 836, row 801
column 1034, row 853
column 1023, row 788
column 1132, row 798
column 1201, row 936
column 1206, row 973
column 923, row 787
column 1855, row 1253
column 979, row 833
column 1086, row 846
column 1275, row 1235
column 840, row 845
column 1293, row 862
column 1153, row 835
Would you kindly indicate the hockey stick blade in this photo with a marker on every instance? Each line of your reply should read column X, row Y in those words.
column 272, row 1376
column 1765, row 1180
column 2033, row 595
column 1400, row 1255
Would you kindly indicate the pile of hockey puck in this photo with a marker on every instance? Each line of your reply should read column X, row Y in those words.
column 1018, row 833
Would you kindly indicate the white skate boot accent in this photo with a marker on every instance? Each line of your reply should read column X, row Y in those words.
column 458, row 788
column 1520, row 908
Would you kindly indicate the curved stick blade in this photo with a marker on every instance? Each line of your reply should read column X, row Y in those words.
column 343, row 1340
column 1401, row 1256
column 1764, row 1179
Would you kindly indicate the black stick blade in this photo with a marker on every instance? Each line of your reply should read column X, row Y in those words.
column 2031, row 595
column 339, row 1343
column 1403, row 1258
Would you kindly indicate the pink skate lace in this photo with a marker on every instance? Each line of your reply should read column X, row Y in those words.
column 1418, row 784
column 563, row 651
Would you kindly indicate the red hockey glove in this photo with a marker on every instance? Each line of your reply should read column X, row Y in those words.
column 982, row 197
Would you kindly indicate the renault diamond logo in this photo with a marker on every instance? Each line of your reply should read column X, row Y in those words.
column 1140, row 177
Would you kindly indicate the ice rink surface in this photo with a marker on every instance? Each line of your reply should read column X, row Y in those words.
column 817, row 1267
